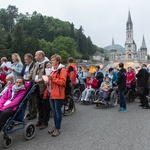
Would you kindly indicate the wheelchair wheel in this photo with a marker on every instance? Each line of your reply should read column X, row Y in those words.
column 92, row 97
column 68, row 106
column 130, row 95
column 29, row 131
column 113, row 98
column 76, row 95
column 7, row 141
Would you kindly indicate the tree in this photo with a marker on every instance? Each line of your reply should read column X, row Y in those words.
column 82, row 42
column 72, row 31
column 148, row 57
column 46, row 47
column 25, row 33
column 65, row 44
column 18, row 42
column 12, row 14
column 2, row 38
column 9, row 41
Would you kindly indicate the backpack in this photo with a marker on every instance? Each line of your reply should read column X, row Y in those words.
column 68, row 86
column 84, row 79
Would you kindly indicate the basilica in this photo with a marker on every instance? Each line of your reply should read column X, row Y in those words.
column 130, row 53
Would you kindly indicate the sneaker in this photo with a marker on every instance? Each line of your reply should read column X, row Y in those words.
column 120, row 109
column 55, row 133
column 43, row 126
column 51, row 130
column 123, row 109
column 145, row 107
column 96, row 101
column 104, row 102
column 38, row 124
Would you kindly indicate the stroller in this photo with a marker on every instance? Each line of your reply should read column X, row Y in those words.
column 17, row 121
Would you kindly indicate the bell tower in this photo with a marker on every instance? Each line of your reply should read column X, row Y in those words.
column 130, row 45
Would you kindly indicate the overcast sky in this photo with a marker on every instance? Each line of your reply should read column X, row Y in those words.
column 100, row 19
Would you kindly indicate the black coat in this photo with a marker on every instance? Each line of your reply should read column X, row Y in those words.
column 142, row 78
column 121, row 79
column 99, row 76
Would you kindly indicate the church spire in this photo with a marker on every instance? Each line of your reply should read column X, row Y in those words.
column 129, row 22
column 113, row 44
column 143, row 46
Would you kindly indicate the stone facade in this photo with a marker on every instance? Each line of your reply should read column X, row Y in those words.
column 131, row 53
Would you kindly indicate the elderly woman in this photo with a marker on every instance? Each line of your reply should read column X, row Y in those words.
column 16, row 67
column 57, row 91
column 11, row 99
column 9, row 80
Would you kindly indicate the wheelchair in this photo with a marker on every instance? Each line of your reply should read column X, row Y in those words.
column 68, row 106
column 17, row 121
column 93, row 96
column 77, row 92
column 112, row 99
column 129, row 93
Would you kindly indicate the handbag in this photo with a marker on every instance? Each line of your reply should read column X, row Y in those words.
column 140, row 90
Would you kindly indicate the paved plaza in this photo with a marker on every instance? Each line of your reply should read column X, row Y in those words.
column 93, row 128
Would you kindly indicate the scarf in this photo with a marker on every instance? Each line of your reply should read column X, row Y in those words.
column 15, row 89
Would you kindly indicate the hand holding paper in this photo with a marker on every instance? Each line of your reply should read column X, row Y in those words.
column 48, row 71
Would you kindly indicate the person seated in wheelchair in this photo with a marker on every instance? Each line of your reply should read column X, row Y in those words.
column 104, row 91
column 91, row 85
column 11, row 99
column 9, row 80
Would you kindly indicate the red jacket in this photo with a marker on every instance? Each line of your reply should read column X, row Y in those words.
column 92, row 82
column 75, row 73
column 130, row 76
column 58, row 84
column 3, row 76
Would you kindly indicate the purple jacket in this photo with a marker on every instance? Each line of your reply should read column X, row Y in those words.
column 16, row 100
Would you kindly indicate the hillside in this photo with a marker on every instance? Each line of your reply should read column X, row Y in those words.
column 119, row 48
column 27, row 33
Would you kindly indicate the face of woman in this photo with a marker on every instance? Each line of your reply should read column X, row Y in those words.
column 129, row 69
column 14, row 59
column 54, row 62
column 19, row 82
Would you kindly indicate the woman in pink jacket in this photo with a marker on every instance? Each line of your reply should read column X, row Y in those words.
column 11, row 99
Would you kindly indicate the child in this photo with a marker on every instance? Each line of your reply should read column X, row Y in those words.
column 104, row 90
column 11, row 99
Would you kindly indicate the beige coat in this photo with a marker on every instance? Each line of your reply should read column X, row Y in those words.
column 36, row 70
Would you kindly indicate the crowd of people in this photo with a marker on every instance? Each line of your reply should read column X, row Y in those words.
column 51, row 91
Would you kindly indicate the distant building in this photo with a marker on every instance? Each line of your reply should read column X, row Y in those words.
column 97, row 56
column 131, row 53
